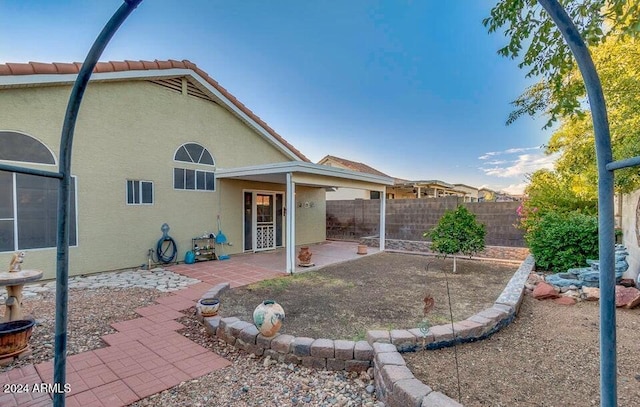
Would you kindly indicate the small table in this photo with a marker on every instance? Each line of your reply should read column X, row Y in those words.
column 14, row 282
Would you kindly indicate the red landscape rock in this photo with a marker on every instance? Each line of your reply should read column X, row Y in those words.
column 565, row 300
column 627, row 297
column 628, row 282
column 545, row 290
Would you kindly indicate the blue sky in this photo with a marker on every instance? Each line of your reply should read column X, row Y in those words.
column 414, row 89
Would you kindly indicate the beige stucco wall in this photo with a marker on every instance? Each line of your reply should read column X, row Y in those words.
column 131, row 130
column 630, row 232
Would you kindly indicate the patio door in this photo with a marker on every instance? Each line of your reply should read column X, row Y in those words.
column 263, row 220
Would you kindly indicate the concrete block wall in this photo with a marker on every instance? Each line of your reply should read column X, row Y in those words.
column 408, row 219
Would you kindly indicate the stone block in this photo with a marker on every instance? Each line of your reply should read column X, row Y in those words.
column 422, row 339
column 314, row 363
column 389, row 374
column 437, row 399
column 335, row 364
column 390, row 358
column 508, row 309
column 323, row 348
column 492, row 314
column 344, row 349
column 402, row 339
column 228, row 321
column 357, row 365
column 249, row 334
column 211, row 324
column 480, row 320
column 249, row 347
column 379, row 347
column 362, row 351
column 469, row 329
column 265, row 341
column 409, row 392
column 301, row 346
column 378, row 336
column 282, row 343
column 442, row 333
column 235, row 329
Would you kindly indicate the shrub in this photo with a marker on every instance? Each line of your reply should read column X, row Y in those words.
column 560, row 241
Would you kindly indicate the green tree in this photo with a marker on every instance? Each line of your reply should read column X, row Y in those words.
column 457, row 232
column 534, row 38
column 619, row 71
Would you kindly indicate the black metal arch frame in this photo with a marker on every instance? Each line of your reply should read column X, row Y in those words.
column 606, row 167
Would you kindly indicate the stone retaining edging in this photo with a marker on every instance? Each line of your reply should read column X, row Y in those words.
column 321, row 353
column 395, row 384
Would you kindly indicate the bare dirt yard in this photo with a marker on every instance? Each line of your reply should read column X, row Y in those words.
column 549, row 356
column 382, row 291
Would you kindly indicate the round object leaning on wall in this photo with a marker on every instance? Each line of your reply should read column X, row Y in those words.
column 268, row 317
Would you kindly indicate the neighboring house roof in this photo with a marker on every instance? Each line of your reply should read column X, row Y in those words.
column 49, row 73
column 352, row 165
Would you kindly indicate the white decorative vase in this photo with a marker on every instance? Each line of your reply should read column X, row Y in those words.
column 268, row 317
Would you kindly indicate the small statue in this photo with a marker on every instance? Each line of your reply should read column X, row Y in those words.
column 16, row 262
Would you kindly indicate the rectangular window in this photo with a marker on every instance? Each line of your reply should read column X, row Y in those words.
column 139, row 192
column 193, row 179
column 34, row 222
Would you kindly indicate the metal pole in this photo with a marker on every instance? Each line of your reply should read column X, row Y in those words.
column 606, row 239
column 66, row 144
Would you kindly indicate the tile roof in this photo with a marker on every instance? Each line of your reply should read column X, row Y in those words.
column 39, row 68
column 354, row 166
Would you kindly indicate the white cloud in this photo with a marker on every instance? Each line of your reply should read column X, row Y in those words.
column 490, row 154
column 520, row 165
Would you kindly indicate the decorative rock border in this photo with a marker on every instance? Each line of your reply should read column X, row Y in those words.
column 395, row 384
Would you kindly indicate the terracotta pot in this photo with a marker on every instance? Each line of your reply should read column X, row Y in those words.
column 208, row 307
column 268, row 317
column 362, row 249
column 14, row 336
column 305, row 255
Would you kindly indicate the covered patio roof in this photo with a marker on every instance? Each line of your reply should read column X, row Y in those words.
column 294, row 173
column 305, row 173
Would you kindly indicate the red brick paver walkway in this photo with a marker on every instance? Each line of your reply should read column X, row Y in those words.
column 144, row 357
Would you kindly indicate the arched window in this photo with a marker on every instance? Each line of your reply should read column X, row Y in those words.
column 23, row 148
column 194, row 179
column 28, row 203
column 194, row 153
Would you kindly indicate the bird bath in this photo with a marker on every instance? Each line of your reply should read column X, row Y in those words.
column 15, row 330
column 14, row 281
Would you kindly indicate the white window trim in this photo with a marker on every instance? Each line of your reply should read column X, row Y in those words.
column 193, row 162
column 140, row 181
column 195, row 180
column 15, row 219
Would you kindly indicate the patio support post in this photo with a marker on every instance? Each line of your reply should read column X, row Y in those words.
column 291, row 225
column 383, row 215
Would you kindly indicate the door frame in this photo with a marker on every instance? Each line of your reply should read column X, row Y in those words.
column 254, row 221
